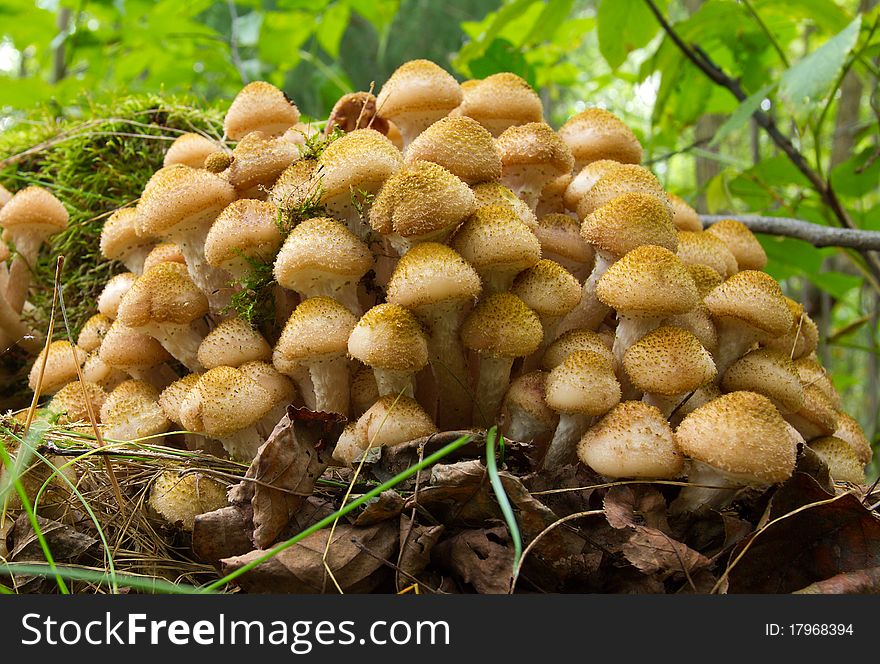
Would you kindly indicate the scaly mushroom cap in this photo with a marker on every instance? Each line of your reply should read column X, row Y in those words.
column 259, row 106
column 431, row 273
column 224, row 401
column 668, row 361
column 296, row 185
column 394, row 420
column 584, row 383
column 246, row 229
column 560, row 235
column 526, row 394
column 5, row 196
column 753, row 298
column 172, row 396
column 70, row 403
column 851, row 431
column 536, row 147
column 126, row 349
column 279, row 386
column 705, row 278
column 568, row 342
column 164, row 294
column 119, row 237
column 417, row 95
column 803, row 336
column 812, row 373
column 740, row 433
column 632, row 440
column 494, row 193
column 92, row 332
column 190, row 150
column 364, row 390
column 500, row 101
column 132, row 411
column 502, row 326
column 584, row 180
column 113, row 292
column 355, row 110
column 684, row 217
column 257, row 161
column 34, row 211
column 61, row 365
column 460, row 145
column 547, row 288
column 164, row 252
column 317, row 248
column 318, row 328
column 181, row 199
column 842, row 461
column 494, row 238
column 359, row 161
column 232, row 343
column 421, row 199
column 616, row 181
column 596, row 134
column 180, row 497
column 768, row 372
column 629, row 221
column 389, row 337
column 817, row 417
column 742, row 243
column 648, row 281
column 702, row 248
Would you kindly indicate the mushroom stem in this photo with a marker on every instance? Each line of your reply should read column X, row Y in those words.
column 181, row 341
column 213, row 282
column 134, row 262
column 344, row 293
column 330, row 381
column 666, row 404
column 523, row 427
column 734, row 339
column 27, row 248
column 14, row 331
column 243, row 445
column 718, row 491
column 393, row 382
column 589, row 312
column 160, row 376
column 450, row 368
column 491, row 386
column 562, row 448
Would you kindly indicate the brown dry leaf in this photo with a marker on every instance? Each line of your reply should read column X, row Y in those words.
column 355, row 557
column 65, row 542
column 223, row 533
column 860, row 582
column 481, row 557
column 416, row 543
column 629, row 505
column 387, row 505
column 812, row 545
column 654, row 552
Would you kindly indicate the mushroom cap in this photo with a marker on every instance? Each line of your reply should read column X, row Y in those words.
column 361, row 161
column 584, row 180
column 180, row 199
column 355, row 110
column 842, row 460
column 648, row 281
column 632, row 440
column 318, row 328
column 494, row 238
column 803, row 336
column 364, row 390
column 92, row 332
column 394, row 420
column 462, row 146
column 164, row 252
column 180, row 497
column 34, row 211
column 568, row 342
column 119, row 237
column 421, row 199
column 526, row 394
column 190, row 150
column 705, row 278
column 584, row 383
column 495, row 193
column 62, row 362
column 620, row 180
column 172, row 396
column 753, row 298
column 246, row 229
column 418, row 90
column 319, row 248
column 257, row 161
column 131, row 411
column 224, row 401
column 813, row 373
column 702, row 248
column 629, row 221
column 126, row 349
column 560, row 235
column 5, row 195
column 596, row 134
column 500, row 101
column 547, row 288
column 279, row 386
column 851, row 431
column 389, row 337
column 743, row 244
column 296, row 185
column 431, row 274
column 70, row 402
column 95, row 370
column 163, row 294
column 502, row 326
column 113, row 292
column 232, row 343
column 668, row 361
column 740, row 433
column 259, row 106
column 684, row 217
column 534, row 145
column 768, row 372
column 818, row 415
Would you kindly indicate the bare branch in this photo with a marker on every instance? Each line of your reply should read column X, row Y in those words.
column 818, row 236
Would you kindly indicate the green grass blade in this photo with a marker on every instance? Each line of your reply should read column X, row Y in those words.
column 501, row 495
column 144, row 583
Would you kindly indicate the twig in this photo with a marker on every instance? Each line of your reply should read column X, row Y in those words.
column 818, row 236
column 233, row 42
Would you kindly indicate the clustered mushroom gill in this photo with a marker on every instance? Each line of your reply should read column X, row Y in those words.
column 442, row 259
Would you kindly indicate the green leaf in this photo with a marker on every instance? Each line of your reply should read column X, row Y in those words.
column 624, row 26
column 741, row 115
column 502, row 56
column 809, row 80
column 856, row 177
column 496, row 23
column 331, row 26
column 248, row 28
column 554, row 14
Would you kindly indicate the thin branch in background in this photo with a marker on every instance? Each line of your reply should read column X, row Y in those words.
column 233, row 42
column 818, row 236
column 669, row 155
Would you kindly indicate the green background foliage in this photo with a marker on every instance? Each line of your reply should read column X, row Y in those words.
column 812, row 65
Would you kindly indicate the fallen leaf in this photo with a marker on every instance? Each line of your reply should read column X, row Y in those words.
column 480, row 557
column 629, row 505
column 65, row 542
column 223, row 533
column 860, row 582
column 387, row 505
column 416, row 543
column 656, row 553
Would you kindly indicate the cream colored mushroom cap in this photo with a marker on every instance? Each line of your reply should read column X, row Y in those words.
column 851, row 431
column 753, row 298
column 245, row 229
column 318, row 328
column 668, row 361
column 768, row 372
column 224, row 401
column 502, row 326
column 493, row 237
column 259, row 106
column 460, row 145
column 628, row 221
column 190, row 149
column 842, row 460
column 430, row 274
column 743, row 244
column 180, row 497
column 500, row 101
column 418, row 87
column 684, row 217
column 596, row 134
column 547, row 288
column 568, row 342
column 33, row 210
column 395, row 420
column 232, row 343
column 389, row 337
column 584, row 383
column 62, row 361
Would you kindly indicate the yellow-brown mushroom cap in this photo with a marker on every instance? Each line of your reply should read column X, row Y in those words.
column 180, row 497
column 740, row 433
column 851, row 431
column 620, row 180
column 92, row 332
column 232, row 343
column 753, row 298
column 35, row 211
column 568, row 342
column 705, row 278
column 119, row 236
column 224, row 401
column 629, row 221
column 62, row 361
column 560, row 235
column 71, row 402
column 172, row 396
column 500, row 101
column 547, row 288
column 743, row 244
column 813, row 373
column 584, row 180
column 389, row 337
column 493, row 237
column 768, row 372
column 583, row 383
column 163, row 294
column 257, row 162
column 596, row 134
column 126, row 349
column 502, row 326
column 702, row 248
column 818, row 413
column 296, row 186
column 432, row 273
column 803, row 336
column 418, row 87
column 842, row 460
column 462, row 146
column 495, row 193
column 534, row 144
column 394, row 420
column 132, row 411
column 113, row 292
column 319, row 327
column 360, row 160
column 190, row 149
column 668, row 361
column 684, row 217
column 259, row 106
column 279, row 386
column 162, row 253
column 245, row 229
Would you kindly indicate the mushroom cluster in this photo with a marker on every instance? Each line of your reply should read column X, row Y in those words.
column 439, row 257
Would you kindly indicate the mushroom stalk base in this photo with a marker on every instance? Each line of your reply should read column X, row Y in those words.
column 491, row 386
column 393, row 382
column 562, row 448
column 330, row 382
column 693, row 498
column 589, row 312
column 449, row 366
